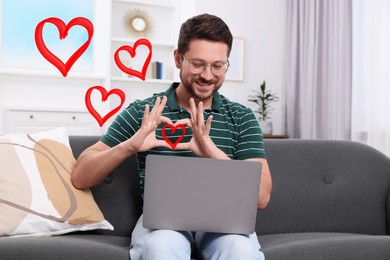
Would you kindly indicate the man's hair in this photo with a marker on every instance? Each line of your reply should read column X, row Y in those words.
column 206, row 27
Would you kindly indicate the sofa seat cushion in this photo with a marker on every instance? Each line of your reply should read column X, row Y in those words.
column 325, row 246
column 72, row 246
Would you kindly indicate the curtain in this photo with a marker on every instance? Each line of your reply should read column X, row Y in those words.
column 318, row 69
column 371, row 70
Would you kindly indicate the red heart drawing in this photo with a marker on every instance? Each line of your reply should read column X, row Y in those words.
column 131, row 51
column 105, row 95
column 173, row 129
column 63, row 30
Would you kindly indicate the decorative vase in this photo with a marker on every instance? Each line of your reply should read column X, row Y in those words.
column 266, row 127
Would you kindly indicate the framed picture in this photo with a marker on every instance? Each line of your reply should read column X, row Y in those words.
column 236, row 60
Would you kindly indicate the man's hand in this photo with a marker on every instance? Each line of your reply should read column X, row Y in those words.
column 200, row 144
column 145, row 138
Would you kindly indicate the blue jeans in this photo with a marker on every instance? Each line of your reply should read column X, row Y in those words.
column 170, row 245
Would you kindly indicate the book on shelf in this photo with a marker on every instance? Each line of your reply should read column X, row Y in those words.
column 157, row 70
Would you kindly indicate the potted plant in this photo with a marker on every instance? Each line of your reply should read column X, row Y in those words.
column 264, row 98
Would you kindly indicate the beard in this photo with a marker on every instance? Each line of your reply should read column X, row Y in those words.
column 198, row 93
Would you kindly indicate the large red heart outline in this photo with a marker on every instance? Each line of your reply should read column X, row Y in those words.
column 105, row 95
column 63, row 33
column 131, row 51
column 173, row 129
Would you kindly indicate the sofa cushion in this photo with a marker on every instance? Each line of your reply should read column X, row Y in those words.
column 324, row 246
column 36, row 194
column 70, row 246
column 326, row 186
column 119, row 195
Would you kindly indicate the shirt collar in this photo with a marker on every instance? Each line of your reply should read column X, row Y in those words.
column 173, row 106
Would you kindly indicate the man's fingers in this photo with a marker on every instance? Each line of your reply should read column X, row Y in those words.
column 182, row 146
column 162, row 143
column 164, row 119
column 185, row 121
column 146, row 113
column 193, row 111
column 153, row 110
column 161, row 106
column 208, row 124
column 200, row 117
column 157, row 102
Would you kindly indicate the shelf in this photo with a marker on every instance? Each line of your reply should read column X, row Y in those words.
column 136, row 80
column 30, row 120
column 154, row 43
column 146, row 2
column 46, row 109
column 52, row 74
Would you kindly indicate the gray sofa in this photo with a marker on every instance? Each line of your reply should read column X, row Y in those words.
column 330, row 201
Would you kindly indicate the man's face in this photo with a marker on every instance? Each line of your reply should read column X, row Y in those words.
column 202, row 86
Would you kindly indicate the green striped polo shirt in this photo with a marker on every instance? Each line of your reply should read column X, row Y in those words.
column 234, row 128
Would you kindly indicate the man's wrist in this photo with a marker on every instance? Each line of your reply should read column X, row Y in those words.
column 215, row 152
column 219, row 154
column 127, row 148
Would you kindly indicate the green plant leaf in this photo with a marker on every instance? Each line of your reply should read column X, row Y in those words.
column 263, row 99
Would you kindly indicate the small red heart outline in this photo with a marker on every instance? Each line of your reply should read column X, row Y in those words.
column 173, row 129
column 131, row 51
column 63, row 31
column 105, row 95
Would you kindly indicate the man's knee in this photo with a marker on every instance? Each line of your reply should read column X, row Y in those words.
column 232, row 247
column 164, row 244
column 241, row 247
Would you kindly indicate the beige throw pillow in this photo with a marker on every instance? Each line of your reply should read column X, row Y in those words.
column 37, row 197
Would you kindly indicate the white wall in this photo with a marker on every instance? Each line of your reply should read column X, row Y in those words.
column 262, row 24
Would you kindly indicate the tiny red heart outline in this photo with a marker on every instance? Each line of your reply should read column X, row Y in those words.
column 101, row 120
column 132, row 52
column 173, row 129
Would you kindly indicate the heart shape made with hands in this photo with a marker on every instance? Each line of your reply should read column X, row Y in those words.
column 173, row 129
column 105, row 95
column 131, row 51
column 63, row 33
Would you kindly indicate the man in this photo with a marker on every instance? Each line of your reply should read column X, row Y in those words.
column 216, row 128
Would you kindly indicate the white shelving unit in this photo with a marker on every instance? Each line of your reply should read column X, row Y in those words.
column 164, row 17
column 28, row 120
column 50, row 74
column 163, row 20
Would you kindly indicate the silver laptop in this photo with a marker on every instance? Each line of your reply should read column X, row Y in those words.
column 201, row 194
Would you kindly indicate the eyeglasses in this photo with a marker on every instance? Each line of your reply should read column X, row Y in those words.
column 197, row 66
